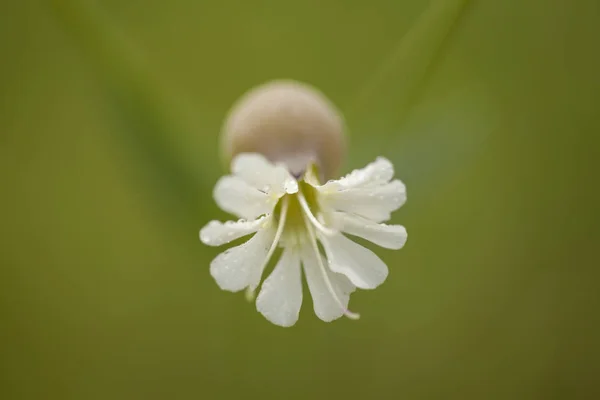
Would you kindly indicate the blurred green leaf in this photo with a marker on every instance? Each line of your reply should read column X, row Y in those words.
column 149, row 118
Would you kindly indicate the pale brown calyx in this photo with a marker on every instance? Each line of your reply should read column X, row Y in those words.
column 288, row 122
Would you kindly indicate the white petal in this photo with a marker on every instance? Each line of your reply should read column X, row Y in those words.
column 235, row 196
column 375, row 203
column 257, row 171
column 376, row 173
column 242, row 266
column 217, row 233
column 280, row 296
column 324, row 304
column 388, row 236
column 364, row 269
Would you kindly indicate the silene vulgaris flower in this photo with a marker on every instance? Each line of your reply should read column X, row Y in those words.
column 279, row 137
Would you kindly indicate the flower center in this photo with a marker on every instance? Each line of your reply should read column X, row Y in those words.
column 297, row 226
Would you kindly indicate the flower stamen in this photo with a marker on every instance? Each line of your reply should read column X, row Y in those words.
column 313, row 241
column 304, row 204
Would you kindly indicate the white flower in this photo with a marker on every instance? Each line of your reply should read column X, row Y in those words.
column 295, row 214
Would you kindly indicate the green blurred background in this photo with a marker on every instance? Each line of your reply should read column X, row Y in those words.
column 109, row 120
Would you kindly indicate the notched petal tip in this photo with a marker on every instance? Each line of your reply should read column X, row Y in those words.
column 330, row 291
column 240, row 267
column 280, row 297
column 388, row 236
column 360, row 265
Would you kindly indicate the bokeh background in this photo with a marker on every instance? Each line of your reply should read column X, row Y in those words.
column 110, row 112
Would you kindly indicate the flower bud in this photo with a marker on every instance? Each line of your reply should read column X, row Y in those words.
column 287, row 122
